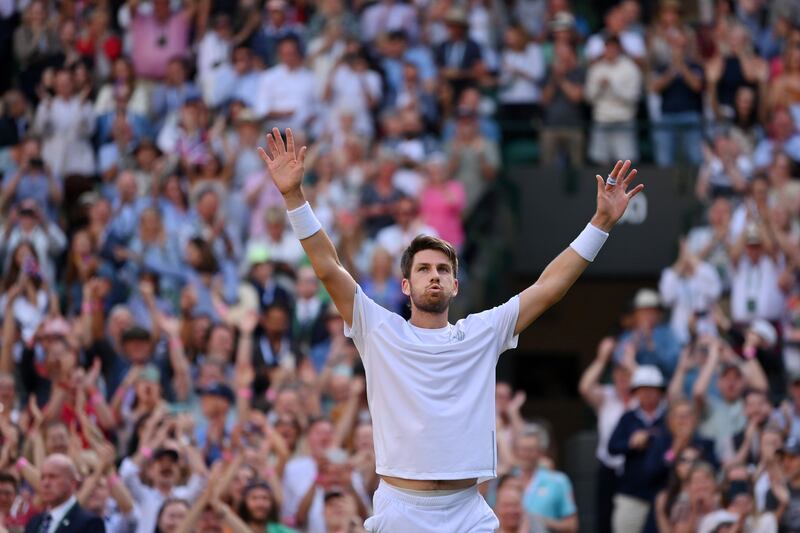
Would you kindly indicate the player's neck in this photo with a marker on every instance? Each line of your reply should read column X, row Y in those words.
column 422, row 319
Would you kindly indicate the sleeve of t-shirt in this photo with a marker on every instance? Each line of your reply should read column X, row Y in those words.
column 503, row 319
column 367, row 315
column 566, row 503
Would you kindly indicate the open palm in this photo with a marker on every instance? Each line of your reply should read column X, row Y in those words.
column 612, row 200
column 285, row 165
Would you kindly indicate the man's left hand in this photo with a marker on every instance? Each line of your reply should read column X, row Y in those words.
column 612, row 200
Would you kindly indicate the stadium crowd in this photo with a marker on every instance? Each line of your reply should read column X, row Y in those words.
column 170, row 361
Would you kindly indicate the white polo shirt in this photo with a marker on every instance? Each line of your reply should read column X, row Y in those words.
column 431, row 391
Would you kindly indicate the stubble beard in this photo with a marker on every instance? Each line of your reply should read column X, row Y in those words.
column 429, row 304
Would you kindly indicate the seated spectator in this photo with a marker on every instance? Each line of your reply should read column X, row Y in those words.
column 442, row 202
column 712, row 243
column 782, row 136
column 613, row 88
column 237, row 80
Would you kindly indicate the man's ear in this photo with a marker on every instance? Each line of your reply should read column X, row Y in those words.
column 405, row 286
column 455, row 287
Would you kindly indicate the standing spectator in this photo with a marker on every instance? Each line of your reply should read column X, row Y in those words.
column 15, row 120
column 521, row 73
column 36, row 47
column 276, row 27
column 442, row 202
column 287, row 94
column 782, row 136
column 459, row 58
column 652, row 341
column 159, row 36
column 613, row 87
column 66, row 123
column 174, row 91
column 385, row 16
column 690, row 288
column 725, row 171
column 562, row 108
column 238, row 80
column 548, row 493
column 617, row 28
column 474, row 159
column 712, row 243
column 633, row 438
column 680, row 85
column 609, row 403
column 757, row 267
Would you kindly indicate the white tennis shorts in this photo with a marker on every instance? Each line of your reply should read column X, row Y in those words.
column 399, row 512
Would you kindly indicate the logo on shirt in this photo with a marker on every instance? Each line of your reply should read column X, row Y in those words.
column 457, row 335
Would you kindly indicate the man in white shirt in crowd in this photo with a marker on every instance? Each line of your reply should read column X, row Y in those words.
column 430, row 384
column 287, row 93
column 613, row 87
column 395, row 238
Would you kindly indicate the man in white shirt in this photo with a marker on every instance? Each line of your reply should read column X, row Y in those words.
column 287, row 93
column 613, row 87
column 63, row 514
column 395, row 238
column 430, row 384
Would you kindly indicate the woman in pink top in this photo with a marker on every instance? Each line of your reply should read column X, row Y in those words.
column 442, row 202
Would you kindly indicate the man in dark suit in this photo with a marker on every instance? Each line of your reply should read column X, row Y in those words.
column 459, row 58
column 63, row 514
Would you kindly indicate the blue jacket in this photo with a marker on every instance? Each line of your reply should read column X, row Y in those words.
column 635, row 480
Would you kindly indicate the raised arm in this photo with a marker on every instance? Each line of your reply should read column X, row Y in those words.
column 286, row 167
column 564, row 270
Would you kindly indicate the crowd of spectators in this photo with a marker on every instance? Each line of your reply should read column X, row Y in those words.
column 170, row 361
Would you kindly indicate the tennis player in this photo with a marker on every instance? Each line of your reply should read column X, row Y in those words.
column 430, row 384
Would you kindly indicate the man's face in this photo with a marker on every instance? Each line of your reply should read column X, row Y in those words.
column 756, row 408
column 57, row 439
column 7, row 496
column 289, row 55
column 527, row 450
column 259, row 503
column 509, row 508
column 432, row 283
column 791, row 465
column 649, row 397
column 165, row 470
column 57, row 483
column 730, row 385
column 213, row 406
column 320, row 437
column 137, row 350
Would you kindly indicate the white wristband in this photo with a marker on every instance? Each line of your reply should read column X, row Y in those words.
column 589, row 242
column 303, row 221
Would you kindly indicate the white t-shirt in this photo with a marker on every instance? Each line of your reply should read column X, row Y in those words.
column 611, row 410
column 755, row 292
column 431, row 391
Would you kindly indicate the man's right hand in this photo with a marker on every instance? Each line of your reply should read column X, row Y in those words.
column 285, row 165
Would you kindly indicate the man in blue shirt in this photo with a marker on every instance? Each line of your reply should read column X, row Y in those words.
column 548, row 493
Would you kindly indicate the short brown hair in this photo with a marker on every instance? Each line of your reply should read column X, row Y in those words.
column 427, row 242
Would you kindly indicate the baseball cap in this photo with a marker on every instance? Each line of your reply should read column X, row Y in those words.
column 647, row 376
column 646, row 299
